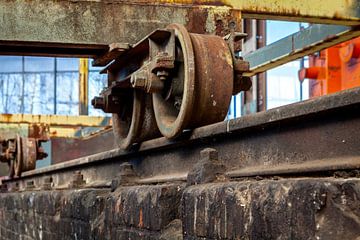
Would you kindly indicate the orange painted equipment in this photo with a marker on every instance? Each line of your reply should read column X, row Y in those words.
column 334, row 69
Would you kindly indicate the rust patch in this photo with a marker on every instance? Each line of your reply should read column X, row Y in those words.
column 197, row 20
column 141, row 222
column 40, row 131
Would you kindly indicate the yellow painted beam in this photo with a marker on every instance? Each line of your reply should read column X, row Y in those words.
column 344, row 12
column 56, row 120
column 83, row 86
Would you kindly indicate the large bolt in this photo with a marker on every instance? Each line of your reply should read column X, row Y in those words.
column 127, row 176
column 208, row 169
column 14, row 187
column 209, row 154
column 78, row 180
column 47, row 183
column 98, row 102
column 30, row 185
column 138, row 80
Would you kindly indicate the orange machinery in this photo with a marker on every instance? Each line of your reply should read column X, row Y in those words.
column 334, row 69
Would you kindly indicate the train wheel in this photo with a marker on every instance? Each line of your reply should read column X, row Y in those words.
column 198, row 91
column 136, row 122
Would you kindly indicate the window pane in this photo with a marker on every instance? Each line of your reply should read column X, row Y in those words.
column 39, row 93
column 10, row 93
column 67, row 64
column 67, row 93
column 10, row 64
column 39, row 64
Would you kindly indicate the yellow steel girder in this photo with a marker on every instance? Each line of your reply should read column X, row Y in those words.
column 56, row 120
column 83, row 86
column 344, row 12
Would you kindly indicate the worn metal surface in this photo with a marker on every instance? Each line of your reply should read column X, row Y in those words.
column 290, row 137
column 85, row 28
column 55, row 120
column 214, row 74
column 323, row 11
column 202, row 98
column 138, row 124
column 65, row 149
column 297, row 45
column 188, row 77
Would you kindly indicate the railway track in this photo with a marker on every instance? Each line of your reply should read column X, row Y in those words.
column 317, row 137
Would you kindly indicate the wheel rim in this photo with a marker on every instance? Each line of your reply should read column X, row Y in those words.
column 207, row 84
column 171, row 122
column 126, row 126
column 19, row 157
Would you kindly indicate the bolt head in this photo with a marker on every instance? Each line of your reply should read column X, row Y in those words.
column 137, row 80
column 210, row 154
column 98, row 102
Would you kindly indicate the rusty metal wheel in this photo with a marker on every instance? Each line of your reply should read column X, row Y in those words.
column 25, row 155
column 199, row 90
column 136, row 122
column 11, row 169
column 17, row 165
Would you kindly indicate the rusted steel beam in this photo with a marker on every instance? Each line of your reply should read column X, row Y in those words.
column 56, row 120
column 85, row 28
column 65, row 149
column 297, row 45
column 343, row 12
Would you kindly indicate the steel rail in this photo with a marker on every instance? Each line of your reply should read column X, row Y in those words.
column 312, row 136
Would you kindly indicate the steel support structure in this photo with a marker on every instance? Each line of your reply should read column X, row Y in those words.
column 85, row 28
column 55, row 120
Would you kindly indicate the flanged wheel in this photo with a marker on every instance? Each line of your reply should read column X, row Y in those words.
column 26, row 151
column 136, row 122
column 199, row 90
column 17, row 165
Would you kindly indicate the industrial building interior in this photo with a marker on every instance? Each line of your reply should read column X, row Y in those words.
column 180, row 119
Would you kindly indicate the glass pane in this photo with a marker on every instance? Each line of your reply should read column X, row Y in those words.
column 39, row 64
column 10, row 64
column 10, row 93
column 67, row 64
column 39, row 93
column 67, row 93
